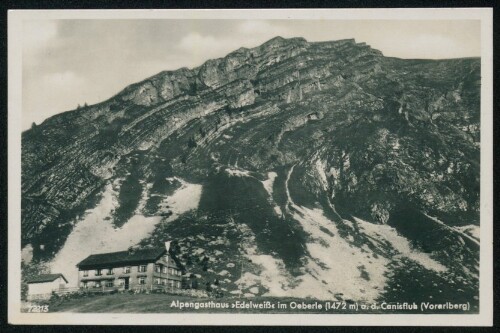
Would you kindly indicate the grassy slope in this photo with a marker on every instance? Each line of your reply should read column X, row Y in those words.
column 161, row 303
column 152, row 303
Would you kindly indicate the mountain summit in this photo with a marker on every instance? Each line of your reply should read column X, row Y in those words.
column 339, row 172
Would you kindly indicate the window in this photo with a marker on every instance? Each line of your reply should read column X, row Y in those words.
column 142, row 280
column 84, row 285
column 157, row 281
column 172, row 271
column 121, row 282
column 142, row 268
column 157, row 268
column 164, row 282
column 165, row 258
column 85, row 273
column 97, row 284
column 165, row 269
column 110, row 271
column 126, row 270
column 98, row 272
column 109, row 284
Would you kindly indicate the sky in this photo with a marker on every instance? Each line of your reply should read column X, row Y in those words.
column 70, row 62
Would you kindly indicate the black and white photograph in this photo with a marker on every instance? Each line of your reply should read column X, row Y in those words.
column 318, row 167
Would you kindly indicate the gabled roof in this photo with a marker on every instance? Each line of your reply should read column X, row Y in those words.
column 122, row 258
column 45, row 278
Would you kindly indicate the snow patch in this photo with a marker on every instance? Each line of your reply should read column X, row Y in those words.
column 335, row 266
column 198, row 251
column 224, row 273
column 272, row 276
column 400, row 243
column 320, row 168
column 278, row 211
column 27, row 254
column 456, row 230
column 471, row 230
column 238, row 172
column 144, row 198
column 268, row 186
column 288, row 196
column 254, row 290
column 95, row 232
column 185, row 198
column 268, row 183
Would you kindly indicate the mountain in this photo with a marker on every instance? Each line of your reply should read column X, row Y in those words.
column 307, row 169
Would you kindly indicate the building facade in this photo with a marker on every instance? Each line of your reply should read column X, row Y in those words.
column 145, row 269
column 42, row 286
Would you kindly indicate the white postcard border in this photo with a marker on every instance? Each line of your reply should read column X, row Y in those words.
column 484, row 318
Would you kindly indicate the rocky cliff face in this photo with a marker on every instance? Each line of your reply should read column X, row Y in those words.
column 306, row 152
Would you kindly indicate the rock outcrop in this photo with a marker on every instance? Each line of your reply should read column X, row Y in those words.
column 366, row 137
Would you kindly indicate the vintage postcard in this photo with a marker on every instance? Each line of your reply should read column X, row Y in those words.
column 250, row 167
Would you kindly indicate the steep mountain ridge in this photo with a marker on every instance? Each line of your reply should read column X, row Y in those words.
column 305, row 152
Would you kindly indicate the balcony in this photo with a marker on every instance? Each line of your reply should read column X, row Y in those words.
column 97, row 278
column 167, row 276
